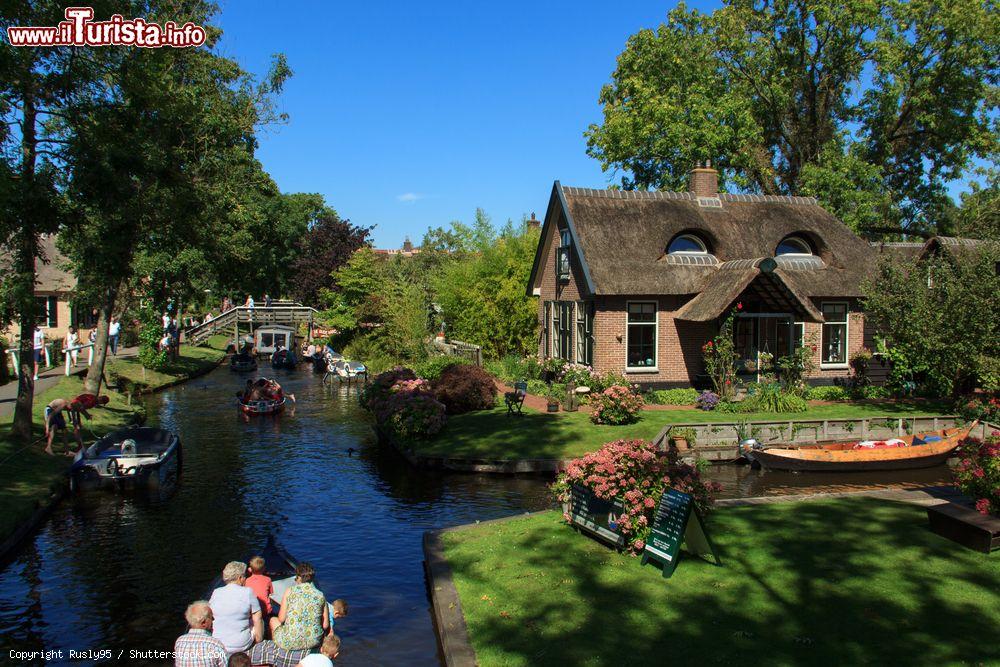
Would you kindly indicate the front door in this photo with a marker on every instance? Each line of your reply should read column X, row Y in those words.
column 758, row 335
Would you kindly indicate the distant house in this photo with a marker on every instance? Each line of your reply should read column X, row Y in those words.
column 54, row 290
column 637, row 282
column 408, row 250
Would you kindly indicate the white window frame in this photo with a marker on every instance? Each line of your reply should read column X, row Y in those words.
column 655, row 368
column 847, row 337
column 797, row 240
column 698, row 241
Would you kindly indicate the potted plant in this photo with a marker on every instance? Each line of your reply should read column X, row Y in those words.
column 683, row 438
column 552, row 398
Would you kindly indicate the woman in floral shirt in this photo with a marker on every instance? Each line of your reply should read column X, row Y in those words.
column 303, row 618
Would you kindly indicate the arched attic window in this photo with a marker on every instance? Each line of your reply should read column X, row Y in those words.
column 795, row 246
column 687, row 244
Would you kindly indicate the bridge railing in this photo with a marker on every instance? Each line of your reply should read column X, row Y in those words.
column 290, row 313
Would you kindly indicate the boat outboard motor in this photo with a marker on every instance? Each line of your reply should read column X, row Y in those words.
column 747, row 447
column 129, row 447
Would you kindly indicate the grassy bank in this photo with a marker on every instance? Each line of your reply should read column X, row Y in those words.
column 29, row 475
column 193, row 361
column 494, row 434
column 879, row 588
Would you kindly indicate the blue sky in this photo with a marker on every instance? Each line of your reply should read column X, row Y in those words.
column 408, row 115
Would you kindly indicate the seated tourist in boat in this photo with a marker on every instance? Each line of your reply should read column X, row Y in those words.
column 239, row 660
column 198, row 647
column 274, row 392
column 237, row 613
column 261, row 585
column 328, row 652
column 303, row 615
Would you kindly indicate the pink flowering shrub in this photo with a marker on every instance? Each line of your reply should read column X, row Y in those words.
column 636, row 473
column 404, row 403
column 374, row 396
column 616, row 405
column 978, row 472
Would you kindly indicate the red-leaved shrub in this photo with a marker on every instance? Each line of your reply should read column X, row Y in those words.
column 464, row 388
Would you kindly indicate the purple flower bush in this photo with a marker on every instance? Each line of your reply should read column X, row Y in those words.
column 707, row 400
column 616, row 405
column 637, row 474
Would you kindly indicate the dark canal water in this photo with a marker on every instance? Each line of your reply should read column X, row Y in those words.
column 114, row 573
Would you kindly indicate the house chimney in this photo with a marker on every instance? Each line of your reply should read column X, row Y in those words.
column 704, row 180
column 533, row 223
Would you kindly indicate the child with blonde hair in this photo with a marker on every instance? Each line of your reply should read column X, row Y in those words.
column 260, row 584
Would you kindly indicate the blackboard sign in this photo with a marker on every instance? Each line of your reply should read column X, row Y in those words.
column 597, row 516
column 677, row 520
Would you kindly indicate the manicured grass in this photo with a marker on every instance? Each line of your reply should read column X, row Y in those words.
column 193, row 360
column 493, row 434
column 837, row 582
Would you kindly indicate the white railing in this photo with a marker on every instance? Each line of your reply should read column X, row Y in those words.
column 67, row 351
column 15, row 356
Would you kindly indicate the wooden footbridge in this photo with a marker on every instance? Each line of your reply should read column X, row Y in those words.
column 288, row 313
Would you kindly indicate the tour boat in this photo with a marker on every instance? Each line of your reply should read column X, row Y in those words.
column 262, row 407
column 922, row 450
column 132, row 457
column 243, row 363
column 284, row 359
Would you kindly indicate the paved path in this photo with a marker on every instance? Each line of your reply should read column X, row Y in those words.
column 48, row 378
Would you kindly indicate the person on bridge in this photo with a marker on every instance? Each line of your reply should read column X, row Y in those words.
column 267, row 300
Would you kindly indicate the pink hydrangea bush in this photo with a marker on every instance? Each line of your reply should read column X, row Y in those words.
column 978, row 472
column 405, row 404
column 616, row 405
column 637, row 474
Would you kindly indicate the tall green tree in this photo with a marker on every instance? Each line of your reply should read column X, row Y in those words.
column 873, row 106
column 939, row 318
column 150, row 156
column 37, row 86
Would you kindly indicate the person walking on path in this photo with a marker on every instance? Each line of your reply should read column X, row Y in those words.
column 166, row 322
column 267, row 300
column 70, row 344
column 38, row 339
column 114, row 330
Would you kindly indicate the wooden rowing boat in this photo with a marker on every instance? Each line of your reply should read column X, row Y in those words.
column 922, row 450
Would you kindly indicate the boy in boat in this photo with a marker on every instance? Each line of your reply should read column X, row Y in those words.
column 260, row 584
column 274, row 392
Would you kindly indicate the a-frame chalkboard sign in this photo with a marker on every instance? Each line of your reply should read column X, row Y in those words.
column 677, row 520
column 595, row 515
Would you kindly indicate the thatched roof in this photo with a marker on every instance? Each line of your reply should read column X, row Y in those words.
column 960, row 248
column 52, row 274
column 620, row 238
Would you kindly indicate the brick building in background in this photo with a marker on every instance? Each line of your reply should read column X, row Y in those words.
column 636, row 282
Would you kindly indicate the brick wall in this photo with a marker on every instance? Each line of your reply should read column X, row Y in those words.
column 552, row 289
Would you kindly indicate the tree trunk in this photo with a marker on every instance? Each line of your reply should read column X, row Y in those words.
column 92, row 384
column 24, row 260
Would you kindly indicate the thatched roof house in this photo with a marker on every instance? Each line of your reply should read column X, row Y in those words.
column 637, row 282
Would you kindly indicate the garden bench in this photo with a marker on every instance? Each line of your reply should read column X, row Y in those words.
column 515, row 399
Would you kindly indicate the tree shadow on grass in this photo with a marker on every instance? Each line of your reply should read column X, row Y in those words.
column 850, row 581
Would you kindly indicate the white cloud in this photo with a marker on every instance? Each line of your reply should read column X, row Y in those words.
column 409, row 197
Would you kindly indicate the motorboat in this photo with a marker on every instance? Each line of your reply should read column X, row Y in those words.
column 132, row 457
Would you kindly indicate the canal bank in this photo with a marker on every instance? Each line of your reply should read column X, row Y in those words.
column 36, row 482
column 805, row 579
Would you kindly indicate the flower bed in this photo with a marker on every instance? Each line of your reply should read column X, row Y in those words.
column 636, row 473
column 616, row 405
column 978, row 472
column 404, row 403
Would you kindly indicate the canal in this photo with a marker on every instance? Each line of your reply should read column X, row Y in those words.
column 115, row 573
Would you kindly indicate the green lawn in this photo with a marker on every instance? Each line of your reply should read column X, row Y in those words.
column 493, row 434
column 193, row 361
column 837, row 582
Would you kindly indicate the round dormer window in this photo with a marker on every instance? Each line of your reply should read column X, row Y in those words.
column 687, row 244
column 793, row 246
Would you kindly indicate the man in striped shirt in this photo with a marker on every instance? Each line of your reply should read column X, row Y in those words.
column 198, row 648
